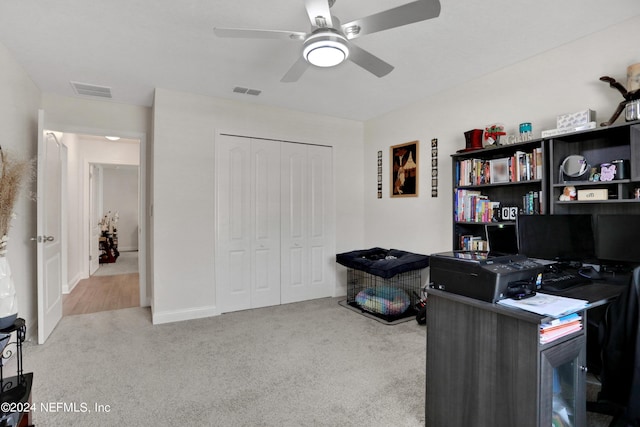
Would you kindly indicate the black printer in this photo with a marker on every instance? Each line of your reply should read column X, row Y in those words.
column 483, row 276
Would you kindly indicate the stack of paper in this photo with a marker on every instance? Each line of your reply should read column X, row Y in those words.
column 560, row 327
column 547, row 305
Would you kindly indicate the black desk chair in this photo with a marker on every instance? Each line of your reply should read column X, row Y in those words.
column 619, row 338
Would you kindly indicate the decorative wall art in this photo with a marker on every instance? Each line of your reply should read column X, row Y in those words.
column 434, row 167
column 404, row 170
column 379, row 174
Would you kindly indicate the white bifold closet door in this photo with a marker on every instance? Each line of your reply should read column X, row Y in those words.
column 273, row 222
column 248, row 223
column 306, row 231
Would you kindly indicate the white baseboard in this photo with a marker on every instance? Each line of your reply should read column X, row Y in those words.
column 72, row 283
column 158, row 318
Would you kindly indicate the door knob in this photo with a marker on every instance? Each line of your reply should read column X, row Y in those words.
column 42, row 239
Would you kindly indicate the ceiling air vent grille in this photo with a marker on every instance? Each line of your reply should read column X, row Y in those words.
column 87, row 89
column 246, row 91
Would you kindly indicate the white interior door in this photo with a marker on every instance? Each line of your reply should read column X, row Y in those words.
column 233, row 223
column 248, row 222
column 265, row 223
column 49, row 236
column 94, row 218
column 295, row 259
column 320, row 237
column 273, row 222
column 307, row 232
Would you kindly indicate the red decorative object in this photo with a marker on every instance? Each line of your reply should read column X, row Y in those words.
column 492, row 133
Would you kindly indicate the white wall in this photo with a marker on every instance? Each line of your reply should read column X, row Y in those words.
column 84, row 115
column 83, row 150
column 19, row 104
column 536, row 90
column 184, row 132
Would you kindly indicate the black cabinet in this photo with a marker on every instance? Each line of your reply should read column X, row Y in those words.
column 486, row 367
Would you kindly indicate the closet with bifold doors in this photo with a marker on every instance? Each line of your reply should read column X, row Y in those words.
column 274, row 224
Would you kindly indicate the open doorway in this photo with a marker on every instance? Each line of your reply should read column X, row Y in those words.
column 104, row 181
column 113, row 242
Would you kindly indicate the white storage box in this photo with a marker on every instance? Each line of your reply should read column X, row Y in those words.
column 593, row 194
column 579, row 118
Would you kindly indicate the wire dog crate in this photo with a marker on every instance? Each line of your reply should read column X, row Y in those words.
column 387, row 298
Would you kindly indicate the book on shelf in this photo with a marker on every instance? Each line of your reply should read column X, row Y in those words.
column 531, row 203
column 472, row 206
column 561, row 131
column 565, row 325
column 469, row 242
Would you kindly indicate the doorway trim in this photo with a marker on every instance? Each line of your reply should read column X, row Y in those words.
column 145, row 288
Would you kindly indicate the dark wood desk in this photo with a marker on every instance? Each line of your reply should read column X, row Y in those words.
column 597, row 293
column 486, row 365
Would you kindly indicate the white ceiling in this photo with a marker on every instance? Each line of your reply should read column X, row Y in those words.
column 134, row 46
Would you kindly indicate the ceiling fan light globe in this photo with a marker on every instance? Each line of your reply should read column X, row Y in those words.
column 325, row 50
column 326, row 55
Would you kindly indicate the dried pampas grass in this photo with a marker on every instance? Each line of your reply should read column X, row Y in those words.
column 13, row 175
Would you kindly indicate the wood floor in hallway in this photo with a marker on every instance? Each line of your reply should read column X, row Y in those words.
column 102, row 293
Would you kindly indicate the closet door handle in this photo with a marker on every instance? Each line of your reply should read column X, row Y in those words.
column 41, row 239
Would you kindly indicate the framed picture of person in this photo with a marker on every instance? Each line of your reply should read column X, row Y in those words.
column 404, row 170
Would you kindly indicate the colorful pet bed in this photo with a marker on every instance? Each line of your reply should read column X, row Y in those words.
column 385, row 300
column 381, row 262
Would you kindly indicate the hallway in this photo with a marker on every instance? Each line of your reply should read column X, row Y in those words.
column 111, row 287
column 103, row 293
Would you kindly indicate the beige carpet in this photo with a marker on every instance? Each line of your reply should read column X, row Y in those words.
column 306, row 364
column 313, row 363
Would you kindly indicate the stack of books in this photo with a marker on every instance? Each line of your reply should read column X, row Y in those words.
column 472, row 206
column 521, row 166
column 560, row 327
column 469, row 242
column 565, row 312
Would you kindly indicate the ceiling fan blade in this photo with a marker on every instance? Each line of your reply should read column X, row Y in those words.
column 368, row 61
column 409, row 13
column 296, row 71
column 319, row 13
column 258, row 34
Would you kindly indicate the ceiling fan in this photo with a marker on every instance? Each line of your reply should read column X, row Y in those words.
column 328, row 43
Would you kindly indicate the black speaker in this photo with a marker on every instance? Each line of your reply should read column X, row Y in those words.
column 622, row 168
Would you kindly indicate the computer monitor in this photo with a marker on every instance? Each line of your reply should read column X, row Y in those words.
column 562, row 237
column 502, row 239
column 618, row 239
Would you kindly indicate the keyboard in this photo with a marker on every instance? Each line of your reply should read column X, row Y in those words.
column 559, row 281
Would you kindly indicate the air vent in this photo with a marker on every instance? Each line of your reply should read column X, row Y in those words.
column 87, row 89
column 246, row 91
